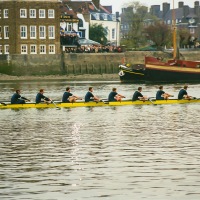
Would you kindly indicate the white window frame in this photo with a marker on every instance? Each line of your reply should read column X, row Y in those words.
column 42, row 49
column 6, row 49
column 23, row 13
column 6, row 32
column 192, row 30
column 51, row 30
column 33, row 52
column 33, row 32
column 24, row 49
column 32, row 13
column 51, row 13
column 42, row 33
column 23, row 29
column 1, row 49
column 52, row 49
column 41, row 13
column 5, row 13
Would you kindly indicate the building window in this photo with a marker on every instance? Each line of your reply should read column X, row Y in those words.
column 1, row 49
column 0, row 32
column 32, row 32
column 192, row 30
column 23, row 13
column 33, row 49
column 6, row 48
column 105, row 16
column 23, row 31
column 42, row 32
column 51, row 13
column 23, row 49
column 69, row 27
column 6, row 32
column 168, row 21
column 32, row 13
column 113, row 33
column 5, row 13
column 51, row 49
column 97, row 16
column 42, row 13
column 51, row 32
column 42, row 49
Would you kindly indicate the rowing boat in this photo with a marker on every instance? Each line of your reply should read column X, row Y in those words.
column 96, row 104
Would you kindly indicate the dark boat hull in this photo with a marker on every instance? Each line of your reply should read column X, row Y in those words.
column 157, row 71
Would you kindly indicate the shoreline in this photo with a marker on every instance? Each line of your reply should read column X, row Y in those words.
column 88, row 77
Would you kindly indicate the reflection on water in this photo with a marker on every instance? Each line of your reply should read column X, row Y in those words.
column 128, row 152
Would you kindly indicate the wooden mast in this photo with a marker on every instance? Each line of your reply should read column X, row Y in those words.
column 174, row 33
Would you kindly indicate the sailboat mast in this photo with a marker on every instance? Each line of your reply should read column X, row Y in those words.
column 174, row 33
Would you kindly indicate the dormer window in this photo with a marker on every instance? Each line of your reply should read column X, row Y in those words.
column 97, row 16
column 105, row 17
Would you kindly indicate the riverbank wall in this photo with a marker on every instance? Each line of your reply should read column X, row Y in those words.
column 78, row 64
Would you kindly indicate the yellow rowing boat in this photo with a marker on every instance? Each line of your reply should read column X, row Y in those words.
column 96, row 104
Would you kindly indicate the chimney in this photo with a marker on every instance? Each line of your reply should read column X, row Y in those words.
column 185, row 11
column 96, row 3
column 196, row 8
column 196, row 3
column 117, row 15
column 166, row 8
column 180, row 4
column 155, row 9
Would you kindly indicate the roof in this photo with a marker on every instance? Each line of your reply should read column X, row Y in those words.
column 86, row 7
column 179, row 14
column 66, row 10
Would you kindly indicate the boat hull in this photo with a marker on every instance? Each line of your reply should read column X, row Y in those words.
column 98, row 104
column 158, row 71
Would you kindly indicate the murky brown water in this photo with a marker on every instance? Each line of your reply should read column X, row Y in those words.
column 112, row 153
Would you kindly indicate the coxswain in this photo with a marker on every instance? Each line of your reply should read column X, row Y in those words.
column 138, row 95
column 68, row 97
column 17, row 98
column 90, row 96
column 40, row 98
column 161, row 95
column 114, row 96
column 183, row 93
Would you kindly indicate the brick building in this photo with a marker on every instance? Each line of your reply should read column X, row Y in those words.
column 29, row 27
column 185, row 16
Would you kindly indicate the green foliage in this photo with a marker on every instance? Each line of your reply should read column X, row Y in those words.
column 134, row 18
column 159, row 33
column 98, row 33
column 184, row 36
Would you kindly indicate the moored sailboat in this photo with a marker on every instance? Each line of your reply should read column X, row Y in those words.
column 156, row 70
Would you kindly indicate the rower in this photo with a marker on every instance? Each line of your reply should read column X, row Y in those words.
column 40, row 96
column 90, row 96
column 161, row 95
column 114, row 96
column 18, row 99
column 183, row 93
column 138, row 95
column 68, row 97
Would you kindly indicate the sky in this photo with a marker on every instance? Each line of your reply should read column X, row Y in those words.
column 117, row 4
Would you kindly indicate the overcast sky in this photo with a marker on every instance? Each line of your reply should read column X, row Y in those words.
column 117, row 4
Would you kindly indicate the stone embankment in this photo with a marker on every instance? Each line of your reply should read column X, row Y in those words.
column 78, row 64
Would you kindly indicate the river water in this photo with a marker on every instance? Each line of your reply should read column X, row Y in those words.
column 112, row 153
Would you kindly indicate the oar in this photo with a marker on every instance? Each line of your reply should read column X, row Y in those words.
column 149, row 99
column 105, row 101
column 3, row 103
column 58, row 108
